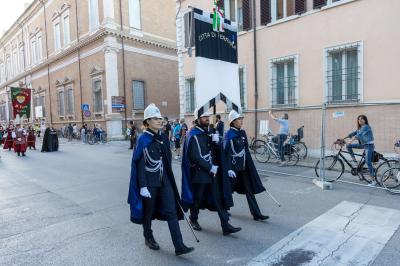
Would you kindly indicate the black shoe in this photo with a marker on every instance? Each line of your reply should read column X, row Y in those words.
column 183, row 250
column 261, row 217
column 229, row 229
column 195, row 225
column 151, row 243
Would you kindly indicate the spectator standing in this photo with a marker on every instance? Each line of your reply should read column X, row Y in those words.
column 282, row 134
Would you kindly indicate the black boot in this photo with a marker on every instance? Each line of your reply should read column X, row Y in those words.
column 261, row 217
column 183, row 250
column 229, row 229
column 19, row 154
column 151, row 243
column 195, row 225
column 23, row 154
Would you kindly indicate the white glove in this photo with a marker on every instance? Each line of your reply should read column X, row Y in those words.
column 231, row 174
column 144, row 192
column 215, row 138
column 214, row 169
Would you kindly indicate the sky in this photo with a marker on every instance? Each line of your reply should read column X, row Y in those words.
column 9, row 12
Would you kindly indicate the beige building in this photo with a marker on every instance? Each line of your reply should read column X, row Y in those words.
column 307, row 52
column 75, row 52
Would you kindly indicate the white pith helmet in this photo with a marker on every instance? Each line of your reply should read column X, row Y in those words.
column 152, row 111
column 196, row 114
column 233, row 115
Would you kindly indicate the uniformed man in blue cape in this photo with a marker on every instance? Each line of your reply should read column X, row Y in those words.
column 153, row 193
column 203, row 185
column 239, row 165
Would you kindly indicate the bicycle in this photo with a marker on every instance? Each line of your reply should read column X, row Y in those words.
column 264, row 152
column 334, row 166
column 299, row 145
column 256, row 143
column 93, row 138
column 391, row 179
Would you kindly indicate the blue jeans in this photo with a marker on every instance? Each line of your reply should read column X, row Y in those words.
column 281, row 141
column 369, row 153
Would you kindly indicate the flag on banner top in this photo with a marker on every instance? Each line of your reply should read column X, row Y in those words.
column 218, row 17
column 217, row 70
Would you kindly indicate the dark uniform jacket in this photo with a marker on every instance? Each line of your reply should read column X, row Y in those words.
column 236, row 146
column 200, row 159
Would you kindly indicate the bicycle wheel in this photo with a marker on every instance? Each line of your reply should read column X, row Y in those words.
column 301, row 149
column 292, row 158
column 262, row 154
column 390, row 179
column 383, row 166
column 258, row 143
column 104, row 138
column 334, row 168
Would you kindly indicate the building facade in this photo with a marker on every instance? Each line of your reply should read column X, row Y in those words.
column 105, row 54
column 296, row 55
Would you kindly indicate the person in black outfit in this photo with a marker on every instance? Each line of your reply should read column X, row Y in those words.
column 152, row 173
column 239, row 165
column 204, row 173
column 50, row 140
column 219, row 126
column 132, row 135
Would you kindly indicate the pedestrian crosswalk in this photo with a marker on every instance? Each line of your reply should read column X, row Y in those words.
column 349, row 234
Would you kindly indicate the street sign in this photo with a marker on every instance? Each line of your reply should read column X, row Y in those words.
column 85, row 107
column 118, row 103
column 338, row 114
column 87, row 113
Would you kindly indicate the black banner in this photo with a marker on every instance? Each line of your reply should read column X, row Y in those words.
column 214, row 45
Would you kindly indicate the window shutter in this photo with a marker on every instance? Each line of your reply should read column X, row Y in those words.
column 265, row 9
column 246, row 15
column 188, row 20
column 319, row 3
column 300, row 6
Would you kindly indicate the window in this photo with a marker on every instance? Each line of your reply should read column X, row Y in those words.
column 243, row 87
column 93, row 15
column 70, row 100
column 284, row 82
column 15, row 62
column 138, row 95
column 66, row 31
column 97, row 96
column 34, row 50
column 230, row 9
column 57, row 36
column 3, row 112
column 39, row 48
column 61, row 103
column 134, row 14
column 343, row 75
column 21, row 58
column 190, row 95
column 42, row 102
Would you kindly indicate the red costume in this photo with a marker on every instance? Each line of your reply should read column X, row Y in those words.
column 8, row 141
column 31, row 139
column 20, row 141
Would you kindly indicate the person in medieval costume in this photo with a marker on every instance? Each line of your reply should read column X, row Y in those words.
column 50, row 140
column 153, row 193
column 203, row 186
column 31, row 138
column 19, row 136
column 1, row 135
column 8, row 141
column 239, row 165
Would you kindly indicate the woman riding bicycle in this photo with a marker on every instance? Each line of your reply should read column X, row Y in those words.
column 365, row 138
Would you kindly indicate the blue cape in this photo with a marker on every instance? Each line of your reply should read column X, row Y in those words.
column 187, row 188
column 255, row 181
column 134, row 198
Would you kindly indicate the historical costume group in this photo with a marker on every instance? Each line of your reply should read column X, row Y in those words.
column 212, row 169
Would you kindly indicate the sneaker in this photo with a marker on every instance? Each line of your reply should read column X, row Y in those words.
column 283, row 164
column 373, row 184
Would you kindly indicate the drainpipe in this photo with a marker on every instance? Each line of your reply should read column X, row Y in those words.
column 255, row 70
column 47, row 58
column 79, row 60
column 123, row 64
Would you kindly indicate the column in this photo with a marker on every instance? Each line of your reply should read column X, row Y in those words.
column 113, row 120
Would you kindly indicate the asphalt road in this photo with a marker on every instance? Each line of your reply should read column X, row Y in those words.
column 69, row 208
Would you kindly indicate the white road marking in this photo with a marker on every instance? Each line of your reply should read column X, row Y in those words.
column 349, row 234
